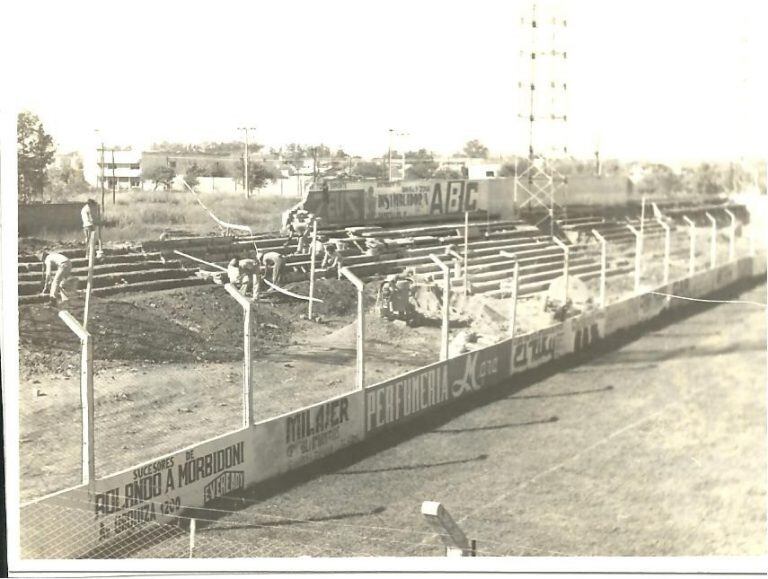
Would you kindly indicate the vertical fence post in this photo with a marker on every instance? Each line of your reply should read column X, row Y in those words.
column 88, row 453
column 566, row 260
column 603, row 264
column 466, row 253
column 731, row 236
column 312, row 254
column 712, row 241
column 514, row 291
column 692, row 254
column 454, row 539
column 667, row 243
column 89, row 285
column 360, row 287
column 446, row 305
column 638, row 255
column 247, row 306
column 192, row 531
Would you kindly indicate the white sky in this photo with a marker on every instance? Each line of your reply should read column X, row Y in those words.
column 649, row 78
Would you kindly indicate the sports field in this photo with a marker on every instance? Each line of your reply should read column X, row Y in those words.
column 654, row 447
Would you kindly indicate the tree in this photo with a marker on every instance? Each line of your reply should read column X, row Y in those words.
column 446, row 173
column 258, row 174
column 161, row 175
column 193, row 174
column 370, row 170
column 475, row 149
column 35, row 150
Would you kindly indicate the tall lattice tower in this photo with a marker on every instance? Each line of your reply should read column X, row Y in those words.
column 543, row 109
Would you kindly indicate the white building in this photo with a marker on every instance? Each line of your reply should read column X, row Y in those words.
column 121, row 168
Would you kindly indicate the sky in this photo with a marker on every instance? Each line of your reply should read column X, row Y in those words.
column 661, row 80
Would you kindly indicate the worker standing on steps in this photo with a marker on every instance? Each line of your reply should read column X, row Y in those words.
column 274, row 261
column 61, row 279
column 88, row 217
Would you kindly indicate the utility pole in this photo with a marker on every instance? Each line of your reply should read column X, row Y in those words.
column 246, row 160
column 101, row 151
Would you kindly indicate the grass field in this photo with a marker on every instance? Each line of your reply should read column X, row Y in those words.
column 143, row 215
column 655, row 447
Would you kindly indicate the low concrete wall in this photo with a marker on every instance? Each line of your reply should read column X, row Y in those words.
column 43, row 217
column 73, row 522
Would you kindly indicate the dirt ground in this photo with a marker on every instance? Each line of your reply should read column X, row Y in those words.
column 655, row 447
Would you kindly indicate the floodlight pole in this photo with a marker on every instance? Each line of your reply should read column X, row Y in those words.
column 731, row 236
column 312, row 254
column 247, row 306
column 456, row 542
column 667, row 242
column 638, row 255
column 692, row 234
column 712, row 241
column 603, row 264
column 360, row 287
column 514, row 291
column 86, row 397
column 444, row 335
column 566, row 259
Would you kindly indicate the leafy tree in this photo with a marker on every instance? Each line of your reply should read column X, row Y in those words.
column 370, row 170
column 476, row 149
column 219, row 170
column 258, row 174
column 160, row 175
column 193, row 174
column 447, row 173
column 35, row 150
column 67, row 180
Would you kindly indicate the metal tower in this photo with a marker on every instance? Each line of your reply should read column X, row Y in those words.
column 542, row 107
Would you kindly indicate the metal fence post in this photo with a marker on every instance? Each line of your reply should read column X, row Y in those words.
column 638, row 255
column 89, row 285
column 454, row 539
column 466, row 253
column 603, row 264
column 88, row 452
column 712, row 241
column 731, row 236
column 692, row 235
column 360, row 324
column 312, row 253
column 514, row 290
column 446, row 305
column 247, row 306
column 667, row 243
column 566, row 256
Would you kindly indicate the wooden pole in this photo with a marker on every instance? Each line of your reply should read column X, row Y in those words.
column 692, row 253
column 88, row 461
column 360, row 324
column 247, row 398
column 603, row 264
column 313, row 254
column 89, row 286
column 445, row 330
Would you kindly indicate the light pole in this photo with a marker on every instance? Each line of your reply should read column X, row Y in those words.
column 246, row 159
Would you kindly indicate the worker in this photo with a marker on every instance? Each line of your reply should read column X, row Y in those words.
column 303, row 244
column 274, row 261
column 298, row 227
column 88, row 217
column 332, row 259
column 61, row 279
column 241, row 272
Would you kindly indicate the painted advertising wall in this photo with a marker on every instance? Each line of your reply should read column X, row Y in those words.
column 73, row 522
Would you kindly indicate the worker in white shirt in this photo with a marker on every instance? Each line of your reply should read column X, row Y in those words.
column 241, row 272
column 332, row 259
column 59, row 281
column 273, row 260
column 88, row 216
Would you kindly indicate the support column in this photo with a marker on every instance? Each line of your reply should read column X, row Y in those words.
column 247, row 306
column 692, row 256
column 603, row 264
column 360, row 287
column 444, row 335
column 638, row 255
column 712, row 241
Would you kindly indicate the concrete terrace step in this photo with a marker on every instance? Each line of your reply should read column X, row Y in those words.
column 112, row 279
column 151, row 285
column 112, row 268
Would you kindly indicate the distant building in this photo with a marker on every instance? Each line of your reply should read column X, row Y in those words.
column 119, row 168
